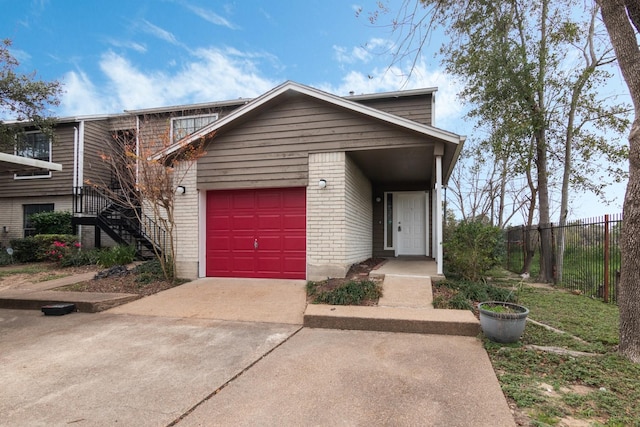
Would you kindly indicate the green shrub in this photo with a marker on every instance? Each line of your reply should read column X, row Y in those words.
column 117, row 255
column 53, row 247
column 5, row 258
column 55, row 222
column 148, row 272
column 80, row 257
column 25, row 250
column 473, row 248
column 350, row 293
column 466, row 292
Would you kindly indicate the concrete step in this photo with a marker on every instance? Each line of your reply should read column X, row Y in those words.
column 392, row 319
column 86, row 302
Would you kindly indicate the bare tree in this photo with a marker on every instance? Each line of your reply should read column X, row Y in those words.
column 146, row 186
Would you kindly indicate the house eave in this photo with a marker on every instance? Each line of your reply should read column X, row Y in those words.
column 18, row 163
column 338, row 101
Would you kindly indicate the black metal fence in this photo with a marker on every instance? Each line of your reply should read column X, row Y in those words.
column 586, row 254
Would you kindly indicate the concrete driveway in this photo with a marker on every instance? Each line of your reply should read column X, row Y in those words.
column 230, row 352
column 106, row 369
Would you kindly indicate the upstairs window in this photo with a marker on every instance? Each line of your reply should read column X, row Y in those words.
column 184, row 126
column 34, row 145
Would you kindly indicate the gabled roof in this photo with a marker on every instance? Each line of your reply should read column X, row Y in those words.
column 338, row 101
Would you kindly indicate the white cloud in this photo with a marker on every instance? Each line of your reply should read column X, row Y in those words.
column 448, row 107
column 364, row 54
column 212, row 75
column 158, row 32
column 138, row 47
column 81, row 97
column 212, row 17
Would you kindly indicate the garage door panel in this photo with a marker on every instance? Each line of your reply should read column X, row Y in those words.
column 217, row 243
column 242, row 222
column 273, row 217
column 242, row 200
column 270, row 222
column 295, row 222
column 219, row 222
column 292, row 243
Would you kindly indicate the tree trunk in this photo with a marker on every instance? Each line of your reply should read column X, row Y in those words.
column 620, row 22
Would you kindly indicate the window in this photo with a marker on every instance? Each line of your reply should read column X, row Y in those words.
column 34, row 145
column 27, row 211
column 183, row 126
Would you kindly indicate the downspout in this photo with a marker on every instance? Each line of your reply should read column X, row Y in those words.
column 439, row 216
column 80, row 178
column 137, row 147
column 75, row 159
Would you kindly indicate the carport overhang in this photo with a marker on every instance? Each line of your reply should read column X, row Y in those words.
column 18, row 164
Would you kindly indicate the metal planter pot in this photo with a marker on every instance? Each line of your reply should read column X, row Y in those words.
column 503, row 327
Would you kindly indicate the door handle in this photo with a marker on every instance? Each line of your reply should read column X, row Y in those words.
column 399, row 228
column 255, row 244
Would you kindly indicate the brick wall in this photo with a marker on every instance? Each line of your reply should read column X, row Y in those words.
column 11, row 214
column 358, row 214
column 187, row 230
column 338, row 216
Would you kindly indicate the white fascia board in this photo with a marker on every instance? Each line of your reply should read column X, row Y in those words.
column 25, row 161
column 317, row 94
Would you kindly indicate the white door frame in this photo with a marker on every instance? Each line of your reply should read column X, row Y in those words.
column 396, row 217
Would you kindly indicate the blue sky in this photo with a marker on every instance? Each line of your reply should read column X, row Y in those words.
column 121, row 54
column 114, row 55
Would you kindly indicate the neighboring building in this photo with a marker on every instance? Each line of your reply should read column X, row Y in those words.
column 296, row 183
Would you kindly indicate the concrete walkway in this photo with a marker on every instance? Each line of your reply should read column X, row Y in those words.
column 405, row 305
column 32, row 296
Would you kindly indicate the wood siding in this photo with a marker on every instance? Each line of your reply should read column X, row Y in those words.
column 59, row 183
column 416, row 108
column 271, row 149
column 96, row 138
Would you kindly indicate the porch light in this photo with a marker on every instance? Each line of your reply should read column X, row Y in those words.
column 322, row 183
column 180, row 189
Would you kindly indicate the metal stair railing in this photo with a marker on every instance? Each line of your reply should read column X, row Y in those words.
column 123, row 223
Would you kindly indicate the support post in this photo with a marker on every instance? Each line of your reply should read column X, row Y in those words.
column 439, row 215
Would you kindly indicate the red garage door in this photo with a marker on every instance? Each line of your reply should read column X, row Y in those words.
column 257, row 233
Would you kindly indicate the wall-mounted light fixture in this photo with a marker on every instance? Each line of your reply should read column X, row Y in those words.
column 180, row 189
column 322, row 183
column 378, row 199
column 5, row 228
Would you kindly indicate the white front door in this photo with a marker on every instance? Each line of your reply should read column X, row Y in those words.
column 411, row 226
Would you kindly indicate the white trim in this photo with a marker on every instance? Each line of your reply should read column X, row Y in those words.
column 193, row 116
column 26, row 161
column 317, row 94
column 81, row 154
column 396, row 214
column 75, row 158
column 202, row 234
column 427, row 248
column 438, row 218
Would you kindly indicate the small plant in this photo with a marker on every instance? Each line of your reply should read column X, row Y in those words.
column 353, row 292
column 59, row 251
column 473, row 249
column 148, row 272
column 117, row 255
